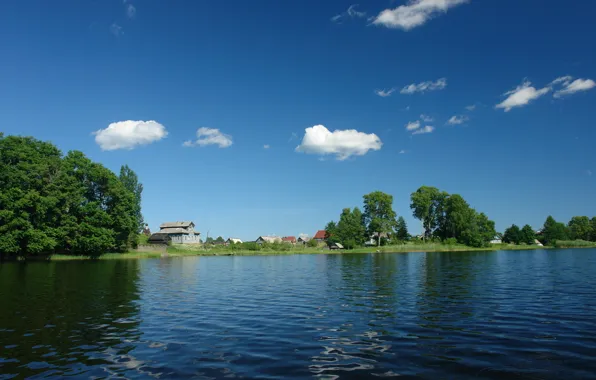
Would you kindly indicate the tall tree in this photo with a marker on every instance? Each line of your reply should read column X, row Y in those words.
column 401, row 230
column 378, row 213
column 130, row 180
column 553, row 231
column 527, row 235
column 220, row 240
column 593, row 225
column 426, row 204
column 512, row 235
column 331, row 235
column 580, row 228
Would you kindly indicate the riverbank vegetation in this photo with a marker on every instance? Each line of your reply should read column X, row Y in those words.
column 54, row 203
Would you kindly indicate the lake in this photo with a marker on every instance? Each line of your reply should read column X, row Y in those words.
column 485, row 315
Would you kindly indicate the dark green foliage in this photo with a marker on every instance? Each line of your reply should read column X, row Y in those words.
column 512, row 235
column 401, row 230
column 593, row 229
column 312, row 243
column 50, row 203
column 527, row 235
column 130, row 181
column 446, row 216
column 220, row 240
column 378, row 215
column 553, row 231
column 580, row 228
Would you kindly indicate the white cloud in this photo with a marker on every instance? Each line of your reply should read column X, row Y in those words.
column 457, row 120
column 129, row 134
column 564, row 79
column 350, row 13
column 341, row 143
column 471, row 108
column 426, row 118
column 413, row 88
column 210, row 136
column 266, row 146
column 131, row 11
column 413, row 125
column 385, row 93
column 521, row 96
column 427, row 129
column 403, row 151
column 575, row 86
column 116, row 30
column 415, row 13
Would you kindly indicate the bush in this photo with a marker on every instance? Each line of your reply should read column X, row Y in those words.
column 451, row 241
column 312, row 243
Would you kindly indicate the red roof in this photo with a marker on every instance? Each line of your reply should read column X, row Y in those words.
column 291, row 239
column 320, row 234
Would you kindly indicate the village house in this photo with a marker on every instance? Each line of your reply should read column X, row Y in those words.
column 303, row 240
column 320, row 235
column 233, row 241
column 268, row 239
column 178, row 233
column 289, row 239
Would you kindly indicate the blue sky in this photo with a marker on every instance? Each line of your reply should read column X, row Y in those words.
column 133, row 82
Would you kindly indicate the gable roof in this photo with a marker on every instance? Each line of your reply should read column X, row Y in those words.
column 270, row 239
column 303, row 238
column 320, row 234
column 234, row 240
column 184, row 224
column 291, row 239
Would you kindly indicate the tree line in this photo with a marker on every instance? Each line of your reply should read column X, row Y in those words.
column 54, row 203
column 578, row 228
column 445, row 217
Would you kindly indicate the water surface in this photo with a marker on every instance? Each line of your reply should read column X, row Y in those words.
column 489, row 315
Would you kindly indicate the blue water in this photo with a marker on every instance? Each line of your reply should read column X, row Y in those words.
column 488, row 315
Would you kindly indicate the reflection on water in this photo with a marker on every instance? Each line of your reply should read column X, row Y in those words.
column 526, row 315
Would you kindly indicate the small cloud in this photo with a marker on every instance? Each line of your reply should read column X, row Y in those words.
column 573, row 87
column 426, row 118
column 341, row 143
column 210, row 136
column 471, row 108
column 522, row 95
column 116, row 30
column 266, row 146
column 413, row 125
column 415, row 13
column 129, row 134
column 131, row 11
column 403, row 151
column 350, row 13
column 385, row 93
column 293, row 136
column 427, row 129
column 423, row 87
column 457, row 120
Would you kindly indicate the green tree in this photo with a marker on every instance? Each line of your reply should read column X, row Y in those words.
column 512, row 235
column 130, row 180
column 426, row 204
column 527, row 235
column 220, row 240
column 350, row 229
column 553, row 231
column 401, row 230
column 580, row 228
column 331, row 235
column 209, row 240
column 454, row 216
column 593, row 225
column 379, row 216
column 479, row 232
column 312, row 243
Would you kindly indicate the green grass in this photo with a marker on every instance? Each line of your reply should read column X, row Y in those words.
column 182, row 251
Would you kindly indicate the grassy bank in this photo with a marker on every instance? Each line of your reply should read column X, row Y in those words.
column 182, row 251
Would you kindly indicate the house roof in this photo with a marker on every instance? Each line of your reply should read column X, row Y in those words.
column 184, row 224
column 270, row 239
column 234, row 240
column 289, row 238
column 320, row 234
column 303, row 238
column 176, row 230
column 159, row 237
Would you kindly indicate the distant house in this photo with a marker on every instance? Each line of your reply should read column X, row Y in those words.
column 303, row 240
column 289, row 239
column 496, row 241
column 160, row 239
column 233, row 241
column 180, row 232
column 321, row 235
column 373, row 239
column 268, row 239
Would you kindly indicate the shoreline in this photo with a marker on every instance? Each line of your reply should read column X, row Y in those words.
column 226, row 251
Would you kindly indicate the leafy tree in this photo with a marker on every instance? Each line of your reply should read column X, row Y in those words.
column 312, row 243
column 527, row 235
column 426, row 204
column 130, row 180
column 209, row 240
column 480, row 231
column 454, row 216
column 350, row 230
column 512, row 235
column 553, row 231
column 593, row 225
column 379, row 216
column 401, row 230
column 331, row 235
column 580, row 228
column 220, row 240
